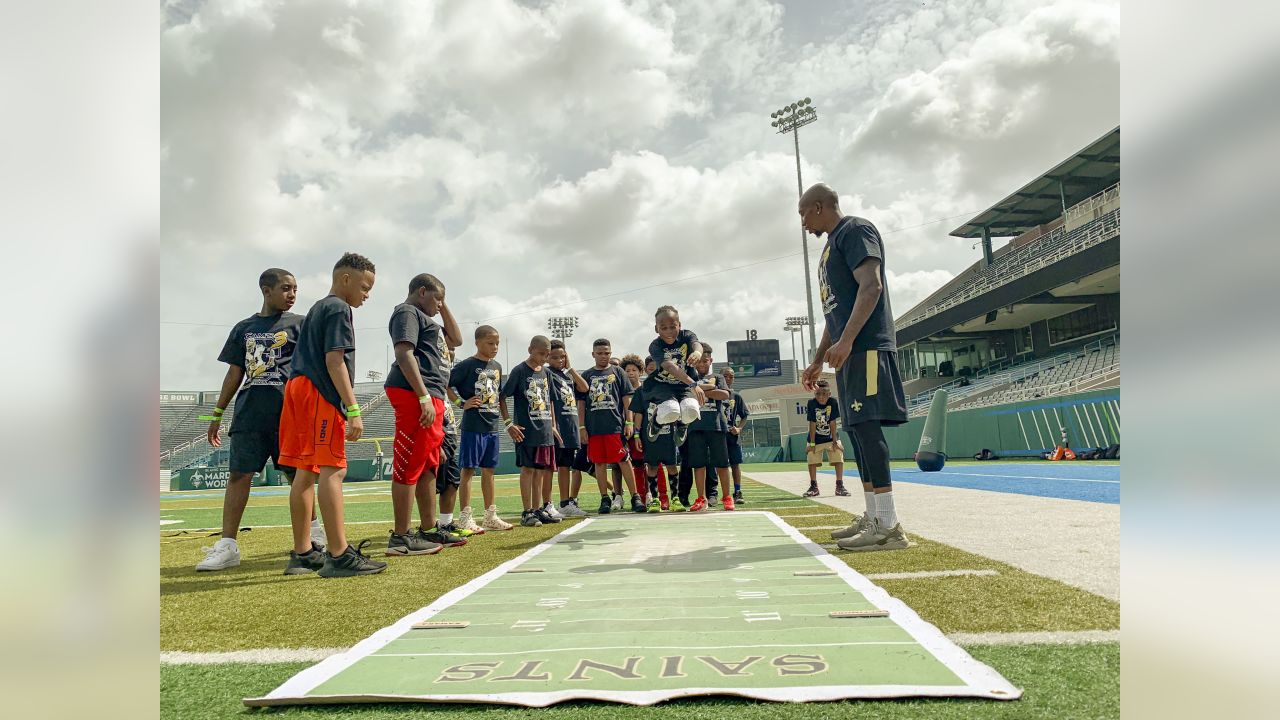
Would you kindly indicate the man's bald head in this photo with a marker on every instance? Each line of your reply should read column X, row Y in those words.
column 820, row 193
column 819, row 209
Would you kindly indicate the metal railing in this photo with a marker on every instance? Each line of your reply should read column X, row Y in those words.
column 1035, row 255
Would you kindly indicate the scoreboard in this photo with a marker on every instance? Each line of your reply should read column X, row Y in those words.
column 752, row 352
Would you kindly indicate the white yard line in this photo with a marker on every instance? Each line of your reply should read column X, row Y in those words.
column 291, row 655
column 927, row 574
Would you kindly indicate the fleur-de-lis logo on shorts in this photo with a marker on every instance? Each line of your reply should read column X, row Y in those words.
column 856, row 405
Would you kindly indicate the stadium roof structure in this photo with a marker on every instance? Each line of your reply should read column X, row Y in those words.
column 1078, row 177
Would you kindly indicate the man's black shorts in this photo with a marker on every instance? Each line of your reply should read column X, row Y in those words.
column 870, row 388
column 708, row 448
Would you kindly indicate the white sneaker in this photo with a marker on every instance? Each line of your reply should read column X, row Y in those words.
column 863, row 522
column 224, row 554
column 551, row 510
column 467, row 521
column 572, row 510
column 876, row 537
column 492, row 521
column 317, row 534
column 617, row 503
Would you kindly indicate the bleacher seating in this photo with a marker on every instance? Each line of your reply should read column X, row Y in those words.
column 1030, row 256
column 1068, row 375
column 182, row 433
column 1059, row 368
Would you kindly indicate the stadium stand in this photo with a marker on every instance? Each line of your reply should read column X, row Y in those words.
column 1038, row 317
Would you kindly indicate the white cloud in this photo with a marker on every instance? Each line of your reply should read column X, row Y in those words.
column 537, row 155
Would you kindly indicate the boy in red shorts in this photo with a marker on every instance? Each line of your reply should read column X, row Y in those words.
column 655, row 487
column 606, row 418
column 319, row 410
column 415, row 387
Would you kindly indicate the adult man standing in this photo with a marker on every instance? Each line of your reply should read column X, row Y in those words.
column 859, row 343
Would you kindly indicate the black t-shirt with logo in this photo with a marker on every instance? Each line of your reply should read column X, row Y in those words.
column 821, row 415
column 852, row 241
column 734, row 409
column 530, row 391
column 409, row 324
column 677, row 352
column 565, row 397
column 327, row 327
column 605, row 390
column 474, row 377
column 712, row 415
column 262, row 346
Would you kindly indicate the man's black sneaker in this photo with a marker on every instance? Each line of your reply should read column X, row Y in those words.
column 812, row 491
column 306, row 563
column 441, row 536
column 840, row 491
column 545, row 517
column 636, row 505
column 528, row 519
column 605, row 505
column 410, row 544
column 350, row 563
column 737, row 497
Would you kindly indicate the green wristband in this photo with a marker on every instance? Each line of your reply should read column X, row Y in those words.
column 210, row 418
column 218, row 411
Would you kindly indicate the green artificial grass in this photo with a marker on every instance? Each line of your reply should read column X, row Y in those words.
column 1059, row 681
column 256, row 606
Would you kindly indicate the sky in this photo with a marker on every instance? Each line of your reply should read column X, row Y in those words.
column 594, row 158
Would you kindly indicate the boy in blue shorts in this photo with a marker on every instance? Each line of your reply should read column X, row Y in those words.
column 477, row 382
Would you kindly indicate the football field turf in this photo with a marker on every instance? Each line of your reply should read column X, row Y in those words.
column 244, row 631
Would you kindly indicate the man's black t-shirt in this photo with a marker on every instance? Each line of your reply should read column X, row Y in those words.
column 409, row 324
column 531, row 393
column 677, row 352
column 605, row 390
column 327, row 327
column 263, row 347
column 474, row 377
column 821, row 415
column 851, row 242
column 734, row 409
column 712, row 415
column 565, row 397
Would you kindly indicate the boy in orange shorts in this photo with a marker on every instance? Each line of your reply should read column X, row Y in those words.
column 416, row 387
column 319, row 412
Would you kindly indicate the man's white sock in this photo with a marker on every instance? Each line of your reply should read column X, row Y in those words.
column 885, row 514
column 870, row 497
column 445, row 518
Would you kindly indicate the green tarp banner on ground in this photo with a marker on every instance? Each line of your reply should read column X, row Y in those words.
column 642, row 609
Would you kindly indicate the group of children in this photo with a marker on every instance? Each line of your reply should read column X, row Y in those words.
column 293, row 379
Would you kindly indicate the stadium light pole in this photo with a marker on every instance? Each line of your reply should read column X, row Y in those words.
column 790, row 119
column 797, row 323
column 795, row 364
column 562, row 327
